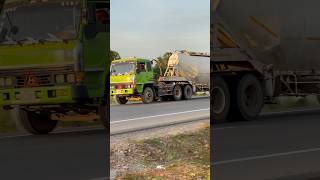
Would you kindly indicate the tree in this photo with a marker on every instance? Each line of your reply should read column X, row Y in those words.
column 114, row 55
column 161, row 63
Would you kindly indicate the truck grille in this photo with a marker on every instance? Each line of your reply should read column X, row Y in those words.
column 35, row 77
column 40, row 80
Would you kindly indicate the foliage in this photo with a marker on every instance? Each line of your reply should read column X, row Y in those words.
column 114, row 55
column 161, row 63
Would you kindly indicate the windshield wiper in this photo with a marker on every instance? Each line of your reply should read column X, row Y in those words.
column 53, row 38
column 9, row 42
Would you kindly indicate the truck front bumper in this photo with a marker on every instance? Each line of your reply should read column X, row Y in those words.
column 114, row 92
column 42, row 95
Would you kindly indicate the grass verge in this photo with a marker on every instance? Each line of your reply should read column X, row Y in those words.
column 183, row 156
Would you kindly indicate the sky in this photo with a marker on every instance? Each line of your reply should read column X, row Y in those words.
column 149, row 28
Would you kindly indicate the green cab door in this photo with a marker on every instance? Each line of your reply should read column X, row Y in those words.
column 96, row 45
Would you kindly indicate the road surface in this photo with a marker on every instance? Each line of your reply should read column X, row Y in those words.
column 277, row 146
column 78, row 155
column 83, row 155
column 132, row 117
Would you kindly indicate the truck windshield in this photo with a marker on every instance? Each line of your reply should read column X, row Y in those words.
column 46, row 21
column 122, row 68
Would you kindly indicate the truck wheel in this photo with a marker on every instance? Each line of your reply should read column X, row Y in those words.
column 120, row 99
column 147, row 95
column 37, row 123
column 249, row 97
column 187, row 92
column 220, row 101
column 177, row 93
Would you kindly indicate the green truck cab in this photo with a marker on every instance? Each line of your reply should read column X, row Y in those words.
column 54, row 61
column 132, row 78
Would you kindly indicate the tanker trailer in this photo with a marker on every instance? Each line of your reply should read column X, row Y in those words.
column 262, row 50
column 186, row 73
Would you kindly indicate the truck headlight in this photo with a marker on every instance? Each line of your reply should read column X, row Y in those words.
column 9, row 81
column 60, row 79
column 2, row 82
column 71, row 78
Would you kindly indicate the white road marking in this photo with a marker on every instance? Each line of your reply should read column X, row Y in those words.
column 160, row 115
column 266, row 156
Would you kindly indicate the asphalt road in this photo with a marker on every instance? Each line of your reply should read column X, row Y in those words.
column 138, row 116
column 276, row 146
column 83, row 154
column 65, row 156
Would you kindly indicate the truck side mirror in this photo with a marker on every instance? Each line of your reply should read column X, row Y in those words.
column 90, row 31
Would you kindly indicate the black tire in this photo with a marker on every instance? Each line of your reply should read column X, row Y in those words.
column 147, row 95
column 37, row 123
column 120, row 99
column 318, row 97
column 177, row 93
column 220, row 100
column 250, row 99
column 187, row 92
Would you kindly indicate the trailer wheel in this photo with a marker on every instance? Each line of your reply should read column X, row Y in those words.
column 249, row 97
column 187, row 92
column 147, row 95
column 37, row 123
column 120, row 99
column 177, row 93
column 220, row 101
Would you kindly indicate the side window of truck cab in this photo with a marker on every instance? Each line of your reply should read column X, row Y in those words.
column 98, row 14
column 141, row 67
column 149, row 68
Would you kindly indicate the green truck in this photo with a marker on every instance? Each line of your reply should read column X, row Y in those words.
column 54, row 61
column 134, row 78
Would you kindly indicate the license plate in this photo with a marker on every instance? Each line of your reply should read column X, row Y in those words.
column 27, row 96
column 118, row 91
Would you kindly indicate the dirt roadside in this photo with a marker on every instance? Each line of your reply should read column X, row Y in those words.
column 174, row 152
